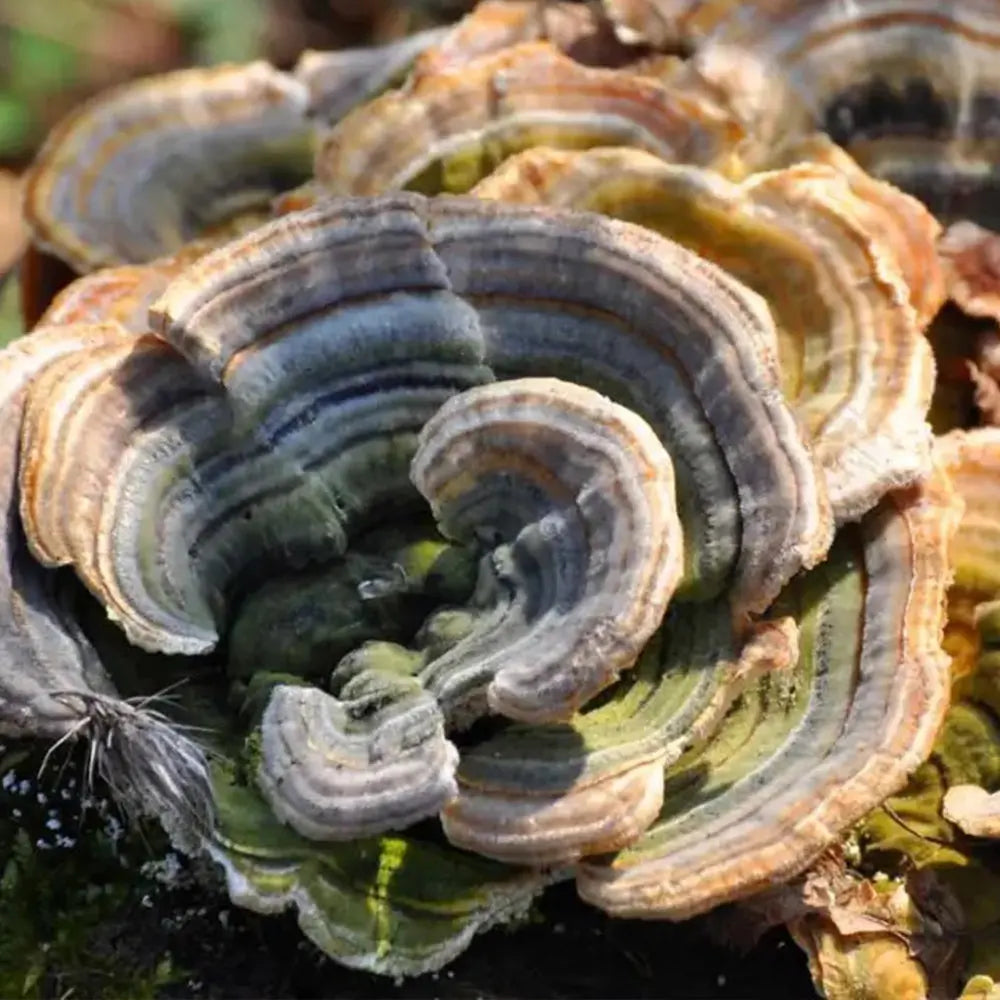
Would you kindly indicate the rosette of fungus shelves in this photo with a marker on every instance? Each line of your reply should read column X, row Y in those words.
column 265, row 430
column 855, row 365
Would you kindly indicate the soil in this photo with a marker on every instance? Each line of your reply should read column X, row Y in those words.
column 569, row 951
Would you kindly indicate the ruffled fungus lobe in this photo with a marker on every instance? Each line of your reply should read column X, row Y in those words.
column 900, row 223
column 445, row 131
column 119, row 294
column 582, row 492
column 38, row 634
column 909, row 88
column 973, row 810
column 972, row 461
column 544, row 795
column 971, row 256
column 370, row 759
column 802, row 759
column 984, row 373
column 101, row 192
column 855, row 364
column 55, row 685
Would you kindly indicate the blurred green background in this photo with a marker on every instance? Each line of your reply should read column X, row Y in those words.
column 53, row 53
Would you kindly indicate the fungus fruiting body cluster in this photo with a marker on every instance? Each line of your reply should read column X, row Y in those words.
column 526, row 444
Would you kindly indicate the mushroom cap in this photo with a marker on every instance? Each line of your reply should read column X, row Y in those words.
column 906, row 86
column 855, row 365
column 100, row 193
column 266, row 430
column 804, row 757
column 340, row 80
column 398, row 906
column 447, row 129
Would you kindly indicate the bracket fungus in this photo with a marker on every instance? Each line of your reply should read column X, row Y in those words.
column 237, row 135
column 341, row 80
column 585, row 522
column 630, row 314
column 908, row 88
column 446, row 130
column 855, row 365
column 807, row 756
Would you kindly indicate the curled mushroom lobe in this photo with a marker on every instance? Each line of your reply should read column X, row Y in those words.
column 908, row 88
column 810, row 750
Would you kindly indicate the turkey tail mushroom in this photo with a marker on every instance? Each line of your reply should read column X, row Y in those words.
column 447, row 130
column 908, row 87
column 101, row 193
column 582, row 492
column 552, row 794
column 279, row 437
column 855, row 365
column 534, row 293
column 806, row 756
column 53, row 684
